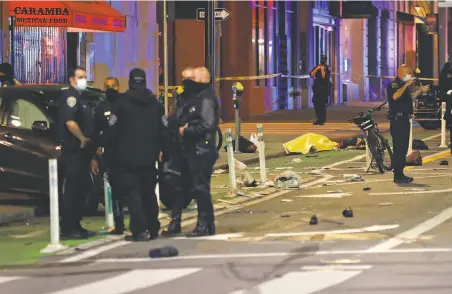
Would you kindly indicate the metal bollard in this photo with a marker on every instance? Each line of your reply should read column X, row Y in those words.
column 231, row 163
column 261, row 150
column 410, row 143
column 55, row 244
column 157, row 187
column 237, row 91
column 443, row 126
column 108, row 204
column 368, row 156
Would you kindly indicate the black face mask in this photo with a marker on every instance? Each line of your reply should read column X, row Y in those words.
column 189, row 85
column 323, row 62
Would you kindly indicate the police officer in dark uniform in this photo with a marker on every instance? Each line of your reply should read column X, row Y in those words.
column 75, row 127
column 199, row 146
column 445, row 85
column 136, row 120
column 103, row 160
column 7, row 75
column 400, row 111
column 321, row 88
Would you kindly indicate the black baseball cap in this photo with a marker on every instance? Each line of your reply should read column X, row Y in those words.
column 137, row 77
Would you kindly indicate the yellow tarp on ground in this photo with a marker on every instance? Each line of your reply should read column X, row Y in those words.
column 308, row 141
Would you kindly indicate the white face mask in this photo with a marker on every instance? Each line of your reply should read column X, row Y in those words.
column 406, row 78
column 82, row 84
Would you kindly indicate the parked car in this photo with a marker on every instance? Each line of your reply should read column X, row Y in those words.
column 28, row 116
column 427, row 109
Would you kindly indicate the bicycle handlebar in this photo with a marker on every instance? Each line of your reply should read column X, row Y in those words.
column 370, row 111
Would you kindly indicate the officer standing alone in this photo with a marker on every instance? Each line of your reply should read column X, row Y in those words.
column 321, row 88
column 445, row 85
column 400, row 101
column 136, row 120
column 199, row 146
column 75, row 127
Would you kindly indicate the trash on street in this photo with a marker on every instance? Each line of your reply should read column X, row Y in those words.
column 336, row 191
column 353, row 178
column 220, row 171
column 296, row 160
column 286, row 200
column 286, row 180
column 385, row 204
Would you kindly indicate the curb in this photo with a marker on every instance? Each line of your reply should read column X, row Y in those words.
column 7, row 218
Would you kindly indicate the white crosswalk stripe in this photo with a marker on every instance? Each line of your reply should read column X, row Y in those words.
column 306, row 280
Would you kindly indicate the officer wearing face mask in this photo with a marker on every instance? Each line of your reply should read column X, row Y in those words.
column 102, row 160
column 321, row 90
column 199, row 151
column 400, row 100
column 75, row 128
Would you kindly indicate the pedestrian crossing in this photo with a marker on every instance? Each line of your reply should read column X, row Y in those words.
column 210, row 280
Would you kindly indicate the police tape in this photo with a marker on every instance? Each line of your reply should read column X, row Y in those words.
column 393, row 77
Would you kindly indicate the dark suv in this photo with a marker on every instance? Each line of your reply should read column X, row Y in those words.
column 28, row 137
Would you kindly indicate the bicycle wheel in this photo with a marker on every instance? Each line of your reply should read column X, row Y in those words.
column 219, row 139
column 373, row 142
column 385, row 146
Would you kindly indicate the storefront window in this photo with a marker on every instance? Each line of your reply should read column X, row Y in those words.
column 38, row 54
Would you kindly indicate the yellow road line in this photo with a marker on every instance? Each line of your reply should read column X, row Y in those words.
column 433, row 157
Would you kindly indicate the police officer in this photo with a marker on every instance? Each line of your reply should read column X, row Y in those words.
column 136, row 118
column 103, row 158
column 445, row 85
column 400, row 111
column 7, row 75
column 75, row 127
column 321, row 88
column 199, row 146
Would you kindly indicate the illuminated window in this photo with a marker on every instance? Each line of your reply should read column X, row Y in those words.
column 24, row 113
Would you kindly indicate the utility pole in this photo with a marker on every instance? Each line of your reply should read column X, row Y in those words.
column 165, row 54
column 210, row 40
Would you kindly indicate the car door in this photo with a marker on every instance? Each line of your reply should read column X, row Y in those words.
column 27, row 161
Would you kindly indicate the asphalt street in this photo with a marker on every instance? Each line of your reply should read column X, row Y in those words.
column 397, row 241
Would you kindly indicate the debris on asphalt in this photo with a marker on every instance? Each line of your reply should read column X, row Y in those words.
column 225, row 201
column 313, row 220
column 220, row 171
column 283, row 168
column 366, row 188
column 315, row 173
column 286, row 180
column 311, row 154
column 246, row 179
column 285, row 215
column 286, row 200
column 336, row 191
column 243, row 194
column 296, row 160
column 385, row 204
column 416, row 189
column 167, row 251
column 444, row 162
column 347, row 212
column 353, row 178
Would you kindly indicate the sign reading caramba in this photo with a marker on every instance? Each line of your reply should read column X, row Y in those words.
column 33, row 14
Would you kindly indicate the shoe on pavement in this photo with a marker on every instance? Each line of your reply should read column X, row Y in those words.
column 174, row 228
column 141, row 237
column 77, row 235
column 316, row 123
column 117, row 231
column 403, row 180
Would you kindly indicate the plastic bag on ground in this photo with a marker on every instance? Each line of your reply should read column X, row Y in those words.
column 307, row 142
column 287, row 180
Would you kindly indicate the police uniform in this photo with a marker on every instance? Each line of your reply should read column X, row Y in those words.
column 76, row 161
column 400, row 112
column 321, row 93
column 200, row 153
column 104, row 136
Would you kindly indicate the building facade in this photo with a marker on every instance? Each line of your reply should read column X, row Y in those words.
column 288, row 37
column 109, row 38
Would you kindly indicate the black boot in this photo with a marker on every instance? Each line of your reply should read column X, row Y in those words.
column 204, row 227
column 175, row 227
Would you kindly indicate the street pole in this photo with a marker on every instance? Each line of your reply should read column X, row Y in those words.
column 210, row 40
column 165, row 54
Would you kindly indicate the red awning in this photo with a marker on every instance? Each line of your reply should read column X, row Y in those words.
column 78, row 15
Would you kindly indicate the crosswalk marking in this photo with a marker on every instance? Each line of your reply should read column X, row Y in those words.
column 9, row 279
column 130, row 281
column 301, row 282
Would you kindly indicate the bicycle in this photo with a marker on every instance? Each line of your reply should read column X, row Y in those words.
column 376, row 143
